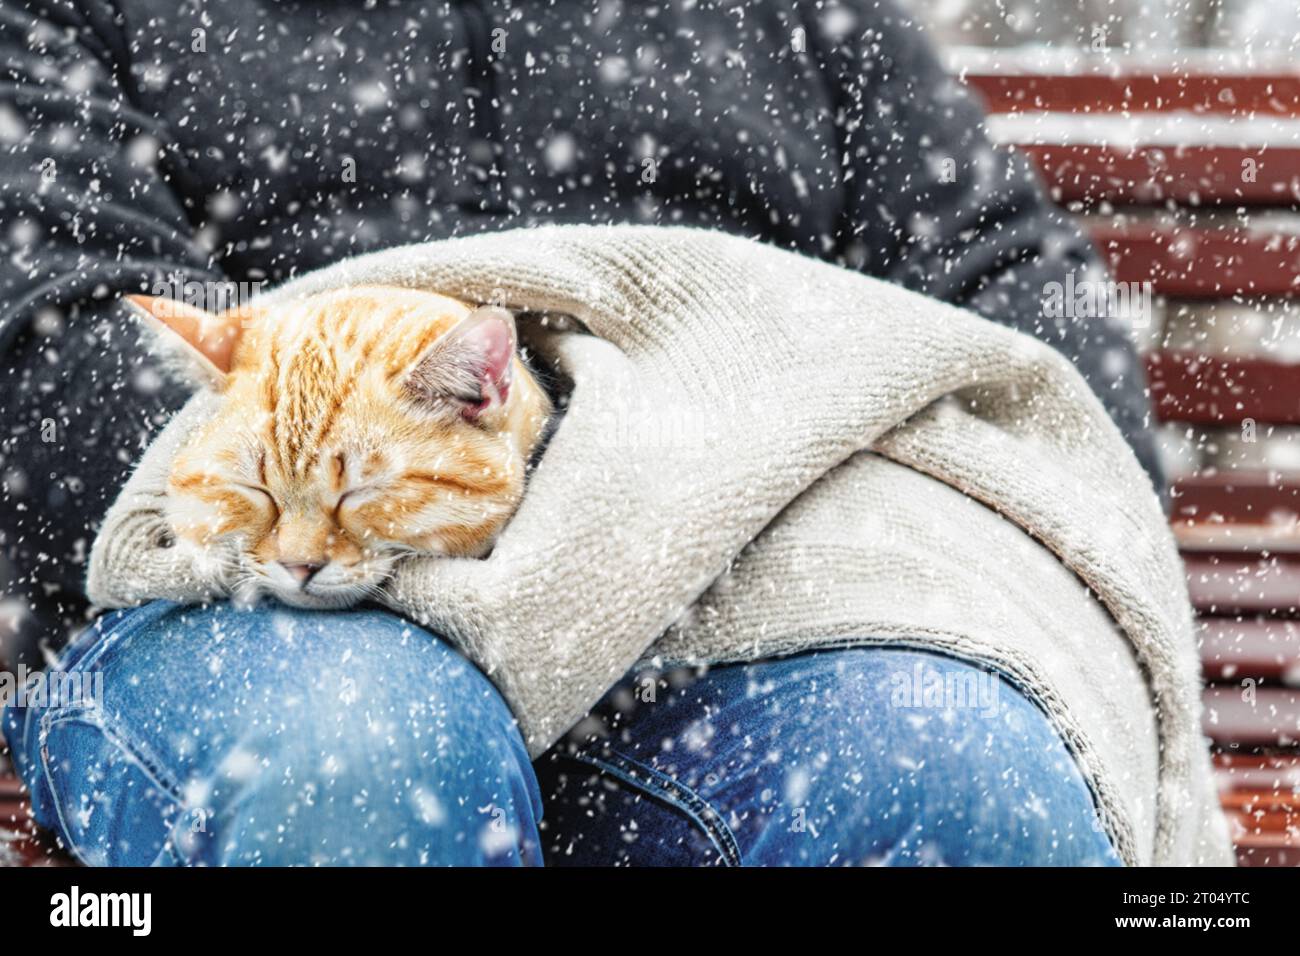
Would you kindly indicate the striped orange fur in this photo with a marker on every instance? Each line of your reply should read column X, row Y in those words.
column 354, row 427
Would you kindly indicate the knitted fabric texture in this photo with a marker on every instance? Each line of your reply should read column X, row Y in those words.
column 763, row 454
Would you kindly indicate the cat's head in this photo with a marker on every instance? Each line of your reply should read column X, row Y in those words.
column 353, row 427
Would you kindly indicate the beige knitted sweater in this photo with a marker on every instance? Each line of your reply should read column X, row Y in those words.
column 762, row 454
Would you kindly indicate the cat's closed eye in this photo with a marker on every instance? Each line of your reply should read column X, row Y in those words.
column 263, row 493
column 352, row 496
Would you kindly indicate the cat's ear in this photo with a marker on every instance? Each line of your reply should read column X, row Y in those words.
column 203, row 341
column 471, row 365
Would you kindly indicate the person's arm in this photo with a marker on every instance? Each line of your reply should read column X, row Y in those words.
column 88, row 209
column 989, row 240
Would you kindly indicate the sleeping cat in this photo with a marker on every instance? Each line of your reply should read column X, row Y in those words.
column 354, row 427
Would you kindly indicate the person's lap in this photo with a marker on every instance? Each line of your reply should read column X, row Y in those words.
column 277, row 736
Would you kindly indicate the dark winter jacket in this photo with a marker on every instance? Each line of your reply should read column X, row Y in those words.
column 253, row 139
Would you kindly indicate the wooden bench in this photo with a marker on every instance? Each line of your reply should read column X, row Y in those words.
column 22, row 843
column 1189, row 178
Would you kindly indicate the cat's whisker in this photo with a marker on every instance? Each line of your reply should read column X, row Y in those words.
column 370, row 589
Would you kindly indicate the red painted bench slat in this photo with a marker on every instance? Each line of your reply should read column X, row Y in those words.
column 1223, row 390
column 1154, row 174
column 1197, row 262
column 1237, row 497
column 1140, row 91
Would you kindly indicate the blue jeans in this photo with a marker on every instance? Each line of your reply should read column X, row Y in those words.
column 278, row 736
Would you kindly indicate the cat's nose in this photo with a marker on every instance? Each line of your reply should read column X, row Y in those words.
column 302, row 573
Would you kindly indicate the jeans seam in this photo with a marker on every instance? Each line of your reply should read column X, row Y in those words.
column 122, row 628
column 137, row 752
column 675, row 794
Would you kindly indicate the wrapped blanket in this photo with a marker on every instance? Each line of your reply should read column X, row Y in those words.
column 762, row 454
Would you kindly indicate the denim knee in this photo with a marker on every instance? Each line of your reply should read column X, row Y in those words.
column 972, row 774
column 282, row 736
column 832, row 758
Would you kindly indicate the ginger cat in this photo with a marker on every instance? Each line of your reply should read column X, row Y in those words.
column 353, row 427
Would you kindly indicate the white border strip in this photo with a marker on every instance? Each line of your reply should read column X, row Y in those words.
column 1169, row 130
column 1075, row 61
